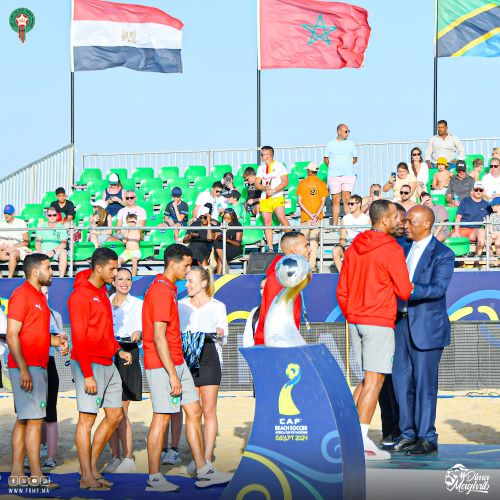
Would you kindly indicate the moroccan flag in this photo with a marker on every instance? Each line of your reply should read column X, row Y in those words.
column 468, row 28
column 106, row 34
column 311, row 34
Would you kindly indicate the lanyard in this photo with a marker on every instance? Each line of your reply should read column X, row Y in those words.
column 304, row 313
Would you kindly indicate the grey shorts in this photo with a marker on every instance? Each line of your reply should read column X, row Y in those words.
column 159, row 387
column 30, row 405
column 373, row 347
column 109, row 388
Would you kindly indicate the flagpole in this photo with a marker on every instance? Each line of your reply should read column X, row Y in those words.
column 434, row 125
column 258, row 84
column 72, row 93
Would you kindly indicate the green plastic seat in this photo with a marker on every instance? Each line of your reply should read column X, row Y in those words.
column 459, row 246
column 203, row 184
column 194, row 171
column 168, row 173
column 439, row 199
column 122, row 173
column 80, row 197
column 117, row 246
column 31, row 210
column 148, row 206
column 147, row 250
column 83, row 250
column 293, row 181
column 141, row 173
column 290, row 203
column 178, row 182
column 299, row 168
column 97, row 187
column 160, row 236
column 452, row 213
column 89, row 174
column 432, row 173
column 83, row 210
column 149, row 185
column 219, row 170
column 323, row 172
column 252, row 236
column 159, row 197
column 48, row 198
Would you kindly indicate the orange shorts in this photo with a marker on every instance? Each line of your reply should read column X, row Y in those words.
column 468, row 232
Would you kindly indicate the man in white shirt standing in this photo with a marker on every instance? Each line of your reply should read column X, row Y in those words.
column 13, row 244
column 443, row 145
column 491, row 181
column 271, row 179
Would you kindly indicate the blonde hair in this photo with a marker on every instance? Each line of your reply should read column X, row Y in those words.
column 207, row 275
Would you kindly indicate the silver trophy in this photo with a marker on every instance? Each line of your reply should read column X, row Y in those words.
column 294, row 274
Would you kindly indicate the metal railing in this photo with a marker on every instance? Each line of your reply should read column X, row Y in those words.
column 376, row 160
column 30, row 183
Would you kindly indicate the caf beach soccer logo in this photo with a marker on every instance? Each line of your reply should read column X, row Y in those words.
column 459, row 478
column 286, row 405
column 22, row 20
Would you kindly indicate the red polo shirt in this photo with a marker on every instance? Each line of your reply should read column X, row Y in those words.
column 160, row 304
column 29, row 306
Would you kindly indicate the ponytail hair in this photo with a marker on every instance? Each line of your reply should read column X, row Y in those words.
column 207, row 275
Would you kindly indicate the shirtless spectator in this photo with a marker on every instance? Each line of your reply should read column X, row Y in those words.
column 63, row 206
column 400, row 177
column 13, row 244
column 460, row 185
column 477, row 168
column 442, row 178
column 375, row 191
column 404, row 197
column 440, row 215
column 132, row 239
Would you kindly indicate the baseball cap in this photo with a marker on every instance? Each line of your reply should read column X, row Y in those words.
column 478, row 184
column 9, row 209
column 113, row 179
column 234, row 193
column 495, row 201
column 203, row 211
column 177, row 192
column 100, row 203
column 443, row 161
column 461, row 166
column 313, row 167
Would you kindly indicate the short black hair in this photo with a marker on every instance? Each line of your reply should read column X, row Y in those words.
column 379, row 209
column 403, row 165
column 291, row 235
column 268, row 148
column 228, row 173
column 176, row 252
column 424, row 194
column 102, row 256
column 60, row 190
column 400, row 208
column 443, row 122
column 357, row 198
column 249, row 171
column 406, row 185
column 217, row 184
column 33, row 261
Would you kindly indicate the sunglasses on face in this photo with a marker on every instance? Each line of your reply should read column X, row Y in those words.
column 478, row 190
column 352, row 203
column 404, row 192
column 218, row 191
column 130, row 197
column 416, row 154
column 51, row 215
column 494, row 166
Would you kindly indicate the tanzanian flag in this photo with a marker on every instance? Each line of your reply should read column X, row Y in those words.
column 468, row 28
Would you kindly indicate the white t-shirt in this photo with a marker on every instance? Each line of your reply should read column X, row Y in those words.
column 206, row 318
column 218, row 204
column 423, row 174
column 271, row 177
column 137, row 210
column 127, row 318
column 350, row 220
column 491, row 185
column 248, row 339
column 13, row 237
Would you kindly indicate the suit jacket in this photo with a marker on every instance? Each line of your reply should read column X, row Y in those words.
column 427, row 314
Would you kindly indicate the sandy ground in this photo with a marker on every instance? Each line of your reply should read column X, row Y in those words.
column 460, row 420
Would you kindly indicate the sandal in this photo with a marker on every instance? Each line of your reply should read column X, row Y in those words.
column 104, row 481
column 95, row 487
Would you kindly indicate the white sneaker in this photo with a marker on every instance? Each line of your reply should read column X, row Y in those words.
column 191, row 468
column 159, row 484
column 113, row 465
column 126, row 465
column 209, row 476
column 170, row 457
column 26, row 463
column 372, row 453
column 49, row 464
column 43, row 451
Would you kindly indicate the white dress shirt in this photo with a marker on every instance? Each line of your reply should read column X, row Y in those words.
column 450, row 148
column 415, row 253
column 127, row 318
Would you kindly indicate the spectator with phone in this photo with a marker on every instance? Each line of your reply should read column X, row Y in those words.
column 253, row 194
column 234, row 235
column 227, row 183
column 400, row 177
column 114, row 195
column 100, row 218
column 200, row 241
column 375, row 190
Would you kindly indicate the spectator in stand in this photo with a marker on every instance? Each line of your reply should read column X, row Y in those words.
column 227, row 183
column 495, row 153
column 400, row 177
column 495, row 227
column 460, row 185
column 13, row 244
column 312, row 193
column 491, row 180
column 100, row 218
column 355, row 217
column 271, row 179
column 233, row 202
column 340, row 156
column 131, row 208
column 443, row 145
column 477, row 168
column 399, row 231
column 253, row 194
column 214, row 198
column 176, row 212
column 442, row 178
column 114, row 195
column 132, row 239
column 234, row 236
column 473, row 209
column 404, row 197
column 63, row 206
column 440, row 215
column 420, row 169
column 375, row 190
column 200, row 240
column 53, row 243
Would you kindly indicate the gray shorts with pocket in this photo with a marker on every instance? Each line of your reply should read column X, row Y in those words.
column 109, row 388
column 373, row 347
column 159, row 387
column 30, row 405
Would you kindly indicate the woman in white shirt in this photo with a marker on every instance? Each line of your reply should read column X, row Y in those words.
column 200, row 312
column 127, row 325
column 420, row 169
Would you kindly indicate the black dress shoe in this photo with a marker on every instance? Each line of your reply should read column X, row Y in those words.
column 399, row 444
column 422, row 447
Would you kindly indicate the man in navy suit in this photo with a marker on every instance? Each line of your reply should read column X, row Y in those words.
column 422, row 331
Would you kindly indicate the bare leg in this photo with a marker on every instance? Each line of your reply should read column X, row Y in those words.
column 208, row 395
column 125, row 432
column 63, row 263
column 14, row 258
column 194, row 434
column 268, row 233
column 156, row 437
column 280, row 214
column 18, row 448
column 481, row 240
column 335, row 208
column 219, row 256
column 135, row 262
column 52, row 437
column 338, row 257
column 368, row 398
column 93, row 239
column 83, row 447
column 32, row 442
column 176, row 423
column 114, row 442
column 346, row 196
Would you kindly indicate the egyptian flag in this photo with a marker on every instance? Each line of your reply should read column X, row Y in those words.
column 106, row 35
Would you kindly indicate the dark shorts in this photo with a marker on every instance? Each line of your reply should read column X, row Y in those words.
column 131, row 375
column 52, row 392
column 209, row 372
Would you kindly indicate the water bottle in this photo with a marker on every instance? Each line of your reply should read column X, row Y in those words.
column 455, row 197
column 175, row 400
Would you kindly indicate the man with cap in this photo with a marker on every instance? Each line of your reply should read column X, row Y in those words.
column 13, row 244
column 495, row 226
column 233, row 201
column 312, row 193
column 63, row 206
column 491, row 181
column 176, row 212
column 473, row 209
column 114, row 195
column 444, row 144
column 460, row 185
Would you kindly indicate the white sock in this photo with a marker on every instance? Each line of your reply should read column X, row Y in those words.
column 364, row 430
column 154, row 476
column 204, row 469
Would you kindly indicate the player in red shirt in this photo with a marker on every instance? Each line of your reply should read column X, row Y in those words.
column 291, row 243
column 29, row 339
column 170, row 381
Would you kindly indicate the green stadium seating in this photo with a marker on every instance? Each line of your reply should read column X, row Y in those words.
column 194, row 171
column 80, row 197
column 243, row 166
column 219, row 170
column 141, row 173
column 83, row 250
column 432, row 173
column 460, row 246
column 438, row 199
column 299, row 169
column 148, row 206
column 168, row 173
column 48, row 198
column 149, row 185
column 203, row 184
column 178, row 182
column 89, row 174
column 96, row 188
column 122, row 173
column 293, row 181
column 290, row 203
column 117, row 246
column 323, row 172
column 252, row 236
column 469, row 159
column 159, row 197
column 32, row 210
column 141, row 195
column 452, row 213
column 129, row 184
column 83, row 210
column 160, row 236
column 147, row 250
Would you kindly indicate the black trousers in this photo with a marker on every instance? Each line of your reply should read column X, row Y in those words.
column 389, row 409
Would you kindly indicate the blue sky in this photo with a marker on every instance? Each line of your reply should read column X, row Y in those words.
column 213, row 103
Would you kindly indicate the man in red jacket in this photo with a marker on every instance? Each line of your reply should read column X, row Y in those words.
column 291, row 243
column 374, row 273
column 98, row 383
